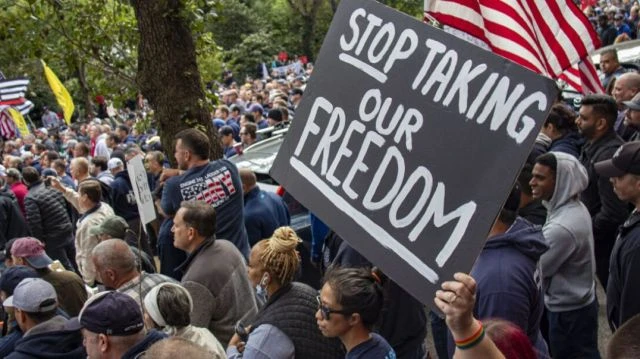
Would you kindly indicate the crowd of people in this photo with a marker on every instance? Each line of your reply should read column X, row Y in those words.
column 615, row 21
column 218, row 273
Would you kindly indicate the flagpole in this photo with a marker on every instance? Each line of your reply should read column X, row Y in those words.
column 33, row 127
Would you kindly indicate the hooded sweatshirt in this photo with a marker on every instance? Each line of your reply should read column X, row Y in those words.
column 568, row 267
column 55, row 338
column 506, row 275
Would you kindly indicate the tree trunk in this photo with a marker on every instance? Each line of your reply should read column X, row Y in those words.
column 334, row 5
column 168, row 74
column 308, row 36
column 308, row 9
column 84, row 87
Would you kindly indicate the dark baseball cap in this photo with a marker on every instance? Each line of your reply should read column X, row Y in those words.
column 12, row 276
column 256, row 108
column 111, row 313
column 625, row 160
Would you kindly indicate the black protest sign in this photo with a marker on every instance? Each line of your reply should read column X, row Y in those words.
column 408, row 141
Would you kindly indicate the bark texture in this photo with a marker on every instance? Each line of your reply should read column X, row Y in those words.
column 168, row 74
column 308, row 10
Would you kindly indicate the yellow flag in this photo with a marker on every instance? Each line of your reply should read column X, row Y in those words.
column 19, row 121
column 61, row 93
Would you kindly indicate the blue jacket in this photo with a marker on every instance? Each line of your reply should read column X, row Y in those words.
column 571, row 144
column 266, row 342
column 505, row 273
column 264, row 212
column 319, row 231
column 123, row 198
column 8, row 342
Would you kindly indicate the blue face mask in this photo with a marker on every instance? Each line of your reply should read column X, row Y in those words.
column 261, row 290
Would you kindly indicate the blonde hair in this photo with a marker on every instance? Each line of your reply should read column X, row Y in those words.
column 279, row 256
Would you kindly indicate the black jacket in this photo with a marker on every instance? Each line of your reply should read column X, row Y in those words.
column 47, row 215
column 60, row 339
column 13, row 224
column 292, row 309
column 623, row 291
column 123, row 198
column 606, row 209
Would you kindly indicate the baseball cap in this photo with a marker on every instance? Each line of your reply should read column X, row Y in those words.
column 634, row 104
column 43, row 130
column 114, row 226
column 625, row 160
column 71, row 143
column 49, row 172
column 115, row 163
column 256, row 108
column 12, row 276
column 275, row 115
column 111, row 313
column 32, row 250
column 33, row 295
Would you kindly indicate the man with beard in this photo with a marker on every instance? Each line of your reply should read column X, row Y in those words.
column 611, row 68
column 595, row 123
column 215, row 182
column 632, row 117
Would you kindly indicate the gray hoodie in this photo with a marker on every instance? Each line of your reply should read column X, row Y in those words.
column 568, row 267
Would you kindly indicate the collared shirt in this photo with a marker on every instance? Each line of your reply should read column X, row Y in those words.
column 137, row 290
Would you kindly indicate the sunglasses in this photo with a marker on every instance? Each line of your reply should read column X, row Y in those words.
column 326, row 311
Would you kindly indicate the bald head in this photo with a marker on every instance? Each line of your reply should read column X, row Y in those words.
column 248, row 178
column 176, row 347
column 626, row 86
column 114, row 254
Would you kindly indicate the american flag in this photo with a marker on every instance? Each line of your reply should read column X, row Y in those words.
column 546, row 36
column 7, row 126
column 12, row 93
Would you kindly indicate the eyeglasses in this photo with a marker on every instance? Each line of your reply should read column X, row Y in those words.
column 326, row 311
column 243, row 133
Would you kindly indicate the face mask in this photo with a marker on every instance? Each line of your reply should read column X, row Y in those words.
column 261, row 290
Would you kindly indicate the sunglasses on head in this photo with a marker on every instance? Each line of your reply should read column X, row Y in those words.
column 326, row 311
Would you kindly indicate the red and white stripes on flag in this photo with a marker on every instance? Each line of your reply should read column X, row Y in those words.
column 545, row 36
column 583, row 77
column 7, row 126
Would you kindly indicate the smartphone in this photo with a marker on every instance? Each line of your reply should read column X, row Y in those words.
column 242, row 332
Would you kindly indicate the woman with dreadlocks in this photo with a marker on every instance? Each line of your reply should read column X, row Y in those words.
column 285, row 326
